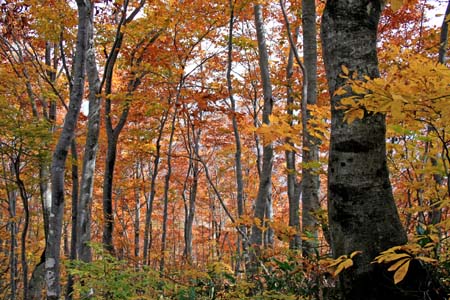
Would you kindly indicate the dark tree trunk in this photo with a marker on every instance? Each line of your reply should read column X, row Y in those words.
column 108, row 226
column 112, row 132
column 361, row 207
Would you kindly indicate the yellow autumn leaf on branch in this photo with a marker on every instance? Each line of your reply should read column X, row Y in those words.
column 401, row 272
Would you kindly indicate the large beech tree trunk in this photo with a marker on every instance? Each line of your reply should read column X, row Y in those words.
column 53, row 242
column 361, row 208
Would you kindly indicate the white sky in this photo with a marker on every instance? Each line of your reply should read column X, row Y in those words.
column 436, row 15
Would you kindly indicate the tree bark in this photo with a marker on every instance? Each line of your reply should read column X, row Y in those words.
column 264, row 198
column 108, row 226
column 361, row 208
column 310, row 153
column 90, row 153
column 53, row 243
column 74, row 236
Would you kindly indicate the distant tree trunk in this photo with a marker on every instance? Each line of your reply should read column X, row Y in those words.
column 194, row 146
column 53, row 243
column 167, row 183
column 361, row 207
column 242, row 242
column 310, row 153
column 13, row 230
column 149, row 203
column 15, row 164
column 264, row 198
column 90, row 153
column 137, row 214
column 7, row 176
column 293, row 185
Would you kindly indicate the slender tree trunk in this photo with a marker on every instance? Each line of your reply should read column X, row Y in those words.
column 8, row 172
column 149, row 203
column 52, row 255
column 108, row 226
column 167, row 186
column 137, row 215
column 238, row 151
column 13, row 230
column 310, row 153
column 264, row 197
column 190, row 207
column 293, row 185
column 23, row 239
column 90, row 153
column 114, row 132
column 361, row 208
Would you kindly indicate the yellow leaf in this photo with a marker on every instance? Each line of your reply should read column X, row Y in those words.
column 426, row 259
column 354, row 253
column 396, row 110
column 344, row 265
column 354, row 114
column 358, row 89
column 348, row 101
column 338, row 260
column 396, row 4
column 340, row 92
column 401, row 272
column 388, row 257
column 345, row 70
column 398, row 264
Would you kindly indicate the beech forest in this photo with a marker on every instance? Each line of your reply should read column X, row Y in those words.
column 224, row 149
